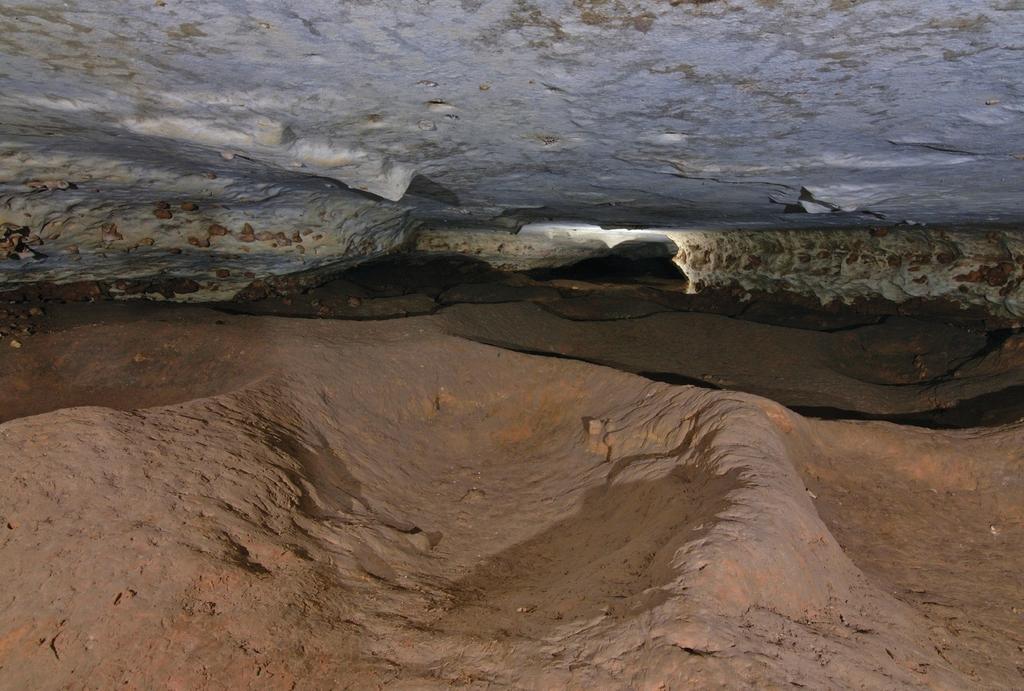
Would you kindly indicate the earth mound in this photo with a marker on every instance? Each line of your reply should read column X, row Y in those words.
column 364, row 504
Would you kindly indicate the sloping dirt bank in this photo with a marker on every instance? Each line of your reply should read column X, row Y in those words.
column 370, row 504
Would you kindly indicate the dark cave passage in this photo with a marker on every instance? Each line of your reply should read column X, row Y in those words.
column 614, row 268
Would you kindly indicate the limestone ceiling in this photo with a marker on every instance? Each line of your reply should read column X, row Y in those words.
column 653, row 111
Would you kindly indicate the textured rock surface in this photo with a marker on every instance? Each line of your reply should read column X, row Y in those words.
column 967, row 268
column 132, row 221
column 649, row 112
column 543, row 244
column 914, row 108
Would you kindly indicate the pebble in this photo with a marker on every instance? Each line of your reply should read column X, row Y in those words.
column 420, row 541
column 15, row 343
column 247, row 234
column 110, row 232
column 51, row 185
column 474, row 496
column 163, row 214
column 189, row 206
column 217, row 229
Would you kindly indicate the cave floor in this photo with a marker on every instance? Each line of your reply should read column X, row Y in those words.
column 448, row 475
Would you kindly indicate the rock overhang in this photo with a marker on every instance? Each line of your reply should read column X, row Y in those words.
column 361, row 121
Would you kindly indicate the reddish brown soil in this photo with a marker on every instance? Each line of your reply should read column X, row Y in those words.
column 267, row 502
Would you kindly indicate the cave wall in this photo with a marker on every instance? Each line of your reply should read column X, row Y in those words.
column 959, row 272
column 937, row 269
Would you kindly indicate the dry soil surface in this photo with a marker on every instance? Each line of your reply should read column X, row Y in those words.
column 199, row 500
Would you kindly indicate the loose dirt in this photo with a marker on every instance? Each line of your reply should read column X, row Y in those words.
column 199, row 499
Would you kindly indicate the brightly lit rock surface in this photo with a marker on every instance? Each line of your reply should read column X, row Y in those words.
column 963, row 269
